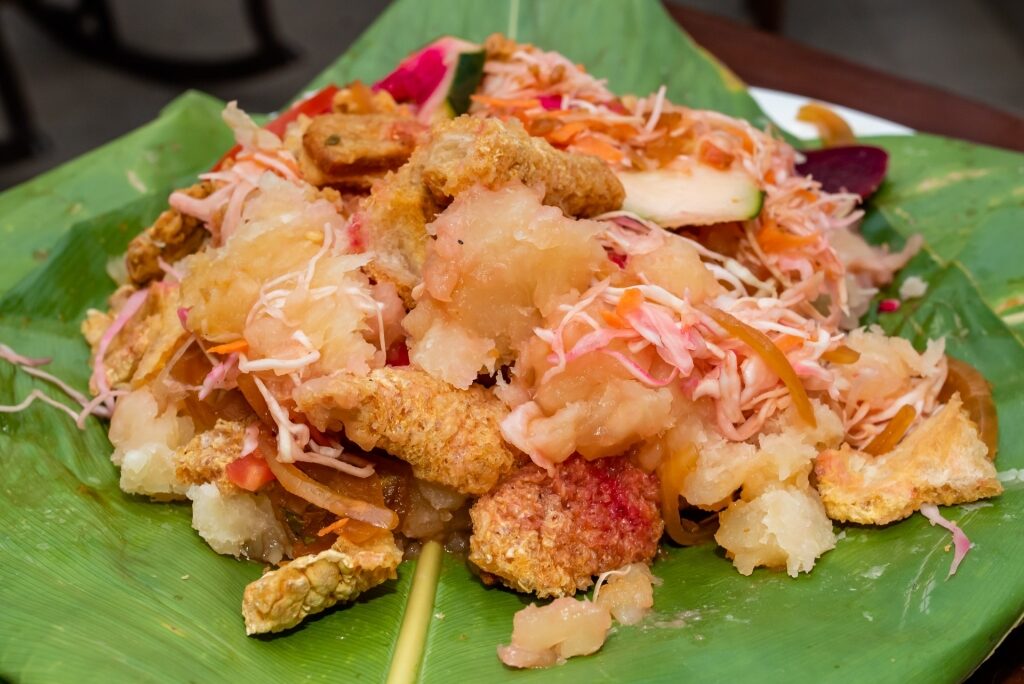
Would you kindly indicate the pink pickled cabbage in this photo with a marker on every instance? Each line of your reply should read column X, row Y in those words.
column 423, row 78
column 961, row 544
column 99, row 371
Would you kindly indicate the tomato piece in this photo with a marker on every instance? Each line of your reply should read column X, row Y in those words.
column 398, row 354
column 250, row 472
column 318, row 103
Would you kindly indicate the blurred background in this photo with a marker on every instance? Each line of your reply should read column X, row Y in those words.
column 77, row 73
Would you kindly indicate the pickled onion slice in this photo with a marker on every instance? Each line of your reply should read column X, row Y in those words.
column 961, row 544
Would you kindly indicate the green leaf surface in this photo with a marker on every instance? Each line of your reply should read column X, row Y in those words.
column 968, row 202
column 186, row 138
column 93, row 585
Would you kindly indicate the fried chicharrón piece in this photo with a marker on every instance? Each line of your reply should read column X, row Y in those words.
column 942, row 462
column 353, row 150
column 141, row 349
column 550, row 536
column 284, row 597
column 467, row 151
column 449, row 436
column 206, row 455
column 171, row 237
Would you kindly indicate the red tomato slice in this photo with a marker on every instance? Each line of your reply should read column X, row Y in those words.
column 250, row 472
column 318, row 103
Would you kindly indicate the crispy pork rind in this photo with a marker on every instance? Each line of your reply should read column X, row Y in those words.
column 142, row 348
column 943, row 461
column 238, row 523
column 350, row 151
column 171, row 237
column 465, row 152
column 550, row 536
column 284, row 597
column 206, row 455
column 448, row 436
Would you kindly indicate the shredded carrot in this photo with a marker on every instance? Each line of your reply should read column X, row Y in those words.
column 614, row 320
column 333, row 527
column 565, row 133
column 504, row 102
column 229, row 347
column 632, row 299
column 788, row 342
column 598, row 148
column 713, row 156
column 772, row 239
column 807, row 196
column 747, row 142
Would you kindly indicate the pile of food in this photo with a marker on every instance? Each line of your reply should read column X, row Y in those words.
column 488, row 302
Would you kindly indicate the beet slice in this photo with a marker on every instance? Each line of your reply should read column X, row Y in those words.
column 853, row 168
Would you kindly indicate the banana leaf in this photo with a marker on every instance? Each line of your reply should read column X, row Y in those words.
column 97, row 585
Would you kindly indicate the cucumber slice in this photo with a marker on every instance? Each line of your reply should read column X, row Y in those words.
column 469, row 72
column 697, row 195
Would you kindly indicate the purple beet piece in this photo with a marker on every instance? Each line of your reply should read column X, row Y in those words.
column 853, row 168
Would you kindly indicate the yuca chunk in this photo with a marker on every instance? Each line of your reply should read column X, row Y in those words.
column 549, row 635
column 284, row 597
column 550, row 536
column 581, row 409
column 465, row 152
column 781, row 528
column 145, row 438
column 172, row 236
column 943, row 461
column 237, row 523
column 449, row 436
column 499, row 265
column 628, row 593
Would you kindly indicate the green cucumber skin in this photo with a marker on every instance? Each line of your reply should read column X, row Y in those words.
column 469, row 72
column 760, row 205
column 750, row 196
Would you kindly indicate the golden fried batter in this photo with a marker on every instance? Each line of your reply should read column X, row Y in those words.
column 284, row 597
column 449, row 436
column 942, row 462
column 171, row 237
column 148, row 340
column 468, row 151
column 550, row 536
column 341, row 144
column 206, row 455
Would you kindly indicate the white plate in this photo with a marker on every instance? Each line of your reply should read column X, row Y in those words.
column 782, row 108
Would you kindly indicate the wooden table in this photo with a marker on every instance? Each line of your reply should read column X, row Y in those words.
column 769, row 61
